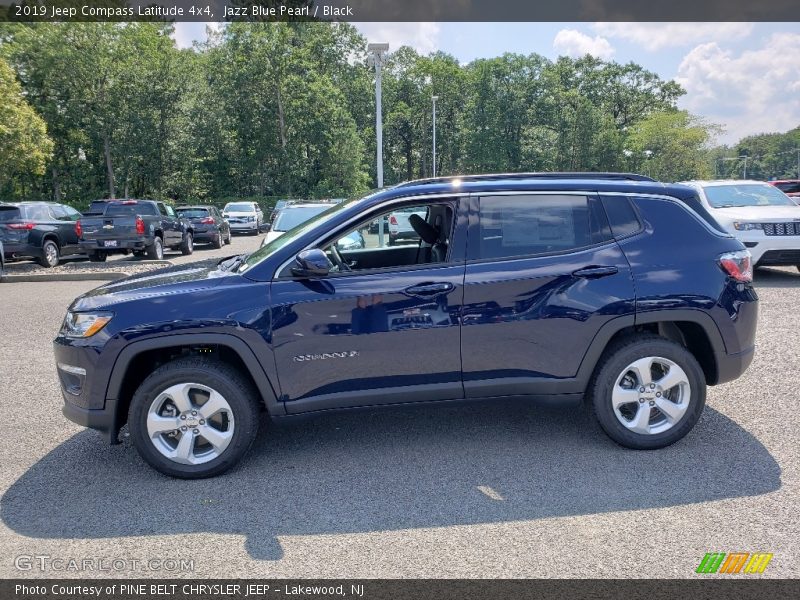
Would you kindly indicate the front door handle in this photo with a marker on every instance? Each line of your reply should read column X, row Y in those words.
column 429, row 289
column 595, row 272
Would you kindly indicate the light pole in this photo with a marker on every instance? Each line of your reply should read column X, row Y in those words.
column 434, row 98
column 377, row 57
column 745, row 157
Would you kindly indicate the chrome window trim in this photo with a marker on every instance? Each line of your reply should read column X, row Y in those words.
column 349, row 222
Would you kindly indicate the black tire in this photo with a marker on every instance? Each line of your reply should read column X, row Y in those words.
column 228, row 238
column 138, row 253
column 50, row 254
column 187, row 245
column 218, row 242
column 98, row 256
column 611, row 368
column 155, row 251
column 237, row 390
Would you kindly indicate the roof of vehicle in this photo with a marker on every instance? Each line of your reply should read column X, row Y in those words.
column 717, row 182
column 29, row 203
column 784, row 181
column 204, row 206
column 589, row 182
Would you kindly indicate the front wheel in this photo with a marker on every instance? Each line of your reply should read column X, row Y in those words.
column 193, row 418
column 98, row 256
column 648, row 392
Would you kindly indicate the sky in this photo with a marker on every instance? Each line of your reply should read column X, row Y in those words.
column 742, row 76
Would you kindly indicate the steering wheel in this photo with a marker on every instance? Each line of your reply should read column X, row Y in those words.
column 338, row 260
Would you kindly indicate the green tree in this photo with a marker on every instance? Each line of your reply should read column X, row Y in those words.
column 25, row 147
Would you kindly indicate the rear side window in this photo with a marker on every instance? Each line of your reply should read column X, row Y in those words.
column 37, row 212
column 621, row 216
column 9, row 213
column 539, row 224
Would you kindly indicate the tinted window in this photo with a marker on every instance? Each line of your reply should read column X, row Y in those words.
column 192, row 213
column 9, row 213
column 37, row 212
column 116, row 209
column 539, row 224
column 788, row 187
column 621, row 216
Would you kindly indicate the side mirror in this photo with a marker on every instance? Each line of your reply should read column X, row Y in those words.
column 311, row 263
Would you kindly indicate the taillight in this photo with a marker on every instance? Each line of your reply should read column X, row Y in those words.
column 139, row 226
column 27, row 226
column 208, row 221
column 78, row 228
column 392, row 220
column 739, row 265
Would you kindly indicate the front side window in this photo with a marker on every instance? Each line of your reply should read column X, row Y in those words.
column 534, row 224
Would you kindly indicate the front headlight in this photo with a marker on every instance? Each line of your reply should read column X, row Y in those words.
column 251, row 219
column 740, row 226
column 84, row 325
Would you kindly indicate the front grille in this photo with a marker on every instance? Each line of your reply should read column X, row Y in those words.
column 791, row 228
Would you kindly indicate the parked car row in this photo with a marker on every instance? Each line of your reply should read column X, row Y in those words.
column 48, row 231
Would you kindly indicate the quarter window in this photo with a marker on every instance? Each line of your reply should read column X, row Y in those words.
column 539, row 224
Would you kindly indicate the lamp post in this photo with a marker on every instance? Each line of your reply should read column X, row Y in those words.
column 377, row 57
column 434, row 98
column 745, row 157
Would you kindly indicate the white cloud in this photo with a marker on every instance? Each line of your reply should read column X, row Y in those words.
column 749, row 92
column 656, row 36
column 423, row 37
column 186, row 33
column 576, row 44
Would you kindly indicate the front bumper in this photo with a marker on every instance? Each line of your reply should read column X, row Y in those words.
column 772, row 250
column 249, row 226
column 85, row 401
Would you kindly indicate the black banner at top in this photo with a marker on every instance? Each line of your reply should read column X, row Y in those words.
column 397, row 10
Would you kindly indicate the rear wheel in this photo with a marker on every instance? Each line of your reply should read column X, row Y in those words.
column 187, row 245
column 218, row 242
column 228, row 237
column 50, row 254
column 98, row 256
column 648, row 392
column 194, row 418
column 155, row 251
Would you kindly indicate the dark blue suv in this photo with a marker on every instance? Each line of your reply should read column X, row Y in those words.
column 611, row 287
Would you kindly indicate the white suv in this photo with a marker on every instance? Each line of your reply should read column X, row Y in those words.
column 243, row 216
column 759, row 215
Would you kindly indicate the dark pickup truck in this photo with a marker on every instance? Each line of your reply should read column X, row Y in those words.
column 144, row 227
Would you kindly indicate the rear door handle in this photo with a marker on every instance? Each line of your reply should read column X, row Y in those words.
column 595, row 272
column 429, row 289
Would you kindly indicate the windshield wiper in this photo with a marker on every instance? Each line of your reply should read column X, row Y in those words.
column 230, row 264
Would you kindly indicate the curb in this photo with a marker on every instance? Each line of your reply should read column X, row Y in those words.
column 88, row 276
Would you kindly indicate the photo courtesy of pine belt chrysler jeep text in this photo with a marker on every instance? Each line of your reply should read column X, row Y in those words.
column 610, row 287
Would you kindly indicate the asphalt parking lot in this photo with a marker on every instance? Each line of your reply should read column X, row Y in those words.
column 496, row 490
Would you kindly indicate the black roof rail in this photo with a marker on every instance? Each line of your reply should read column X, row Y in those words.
column 539, row 175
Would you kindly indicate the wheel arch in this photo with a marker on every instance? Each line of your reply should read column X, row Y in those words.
column 139, row 359
column 693, row 329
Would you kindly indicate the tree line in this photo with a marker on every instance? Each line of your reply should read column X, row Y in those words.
column 265, row 110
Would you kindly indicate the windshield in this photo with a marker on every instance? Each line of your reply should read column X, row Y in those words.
column 746, row 194
column 291, row 217
column 192, row 213
column 299, row 231
column 243, row 207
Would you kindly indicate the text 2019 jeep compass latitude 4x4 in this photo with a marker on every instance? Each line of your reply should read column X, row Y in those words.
column 613, row 287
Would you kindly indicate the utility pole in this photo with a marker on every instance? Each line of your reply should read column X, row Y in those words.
column 434, row 98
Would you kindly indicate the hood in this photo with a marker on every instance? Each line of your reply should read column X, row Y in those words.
column 162, row 282
column 758, row 214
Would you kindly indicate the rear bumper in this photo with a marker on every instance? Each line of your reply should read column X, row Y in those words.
column 17, row 250
column 98, row 245
column 733, row 366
